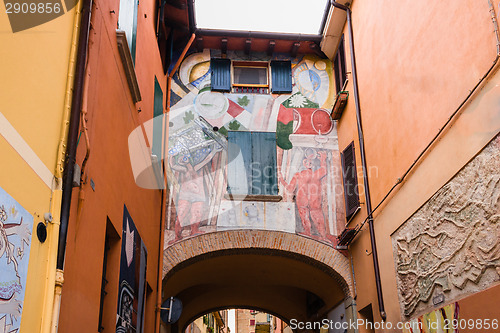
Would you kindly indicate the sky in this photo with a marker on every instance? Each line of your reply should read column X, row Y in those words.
column 289, row 16
column 231, row 320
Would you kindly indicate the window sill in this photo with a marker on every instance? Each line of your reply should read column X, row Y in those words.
column 352, row 216
column 128, row 65
column 250, row 90
column 253, row 197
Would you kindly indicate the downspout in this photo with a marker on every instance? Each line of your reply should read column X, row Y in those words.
column 74, row 125
column 70, row 158
column 376, row 268
column 192, row 16
column 163, row 192
column 54, row 280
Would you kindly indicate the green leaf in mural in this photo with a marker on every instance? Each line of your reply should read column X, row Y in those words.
column 283, row 132
column 223, row 131
column 234, row 125
column 243, row 101
column 189, row 116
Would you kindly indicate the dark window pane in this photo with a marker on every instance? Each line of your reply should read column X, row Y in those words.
column 250, row 75
column 351, row 195
column 339, row 66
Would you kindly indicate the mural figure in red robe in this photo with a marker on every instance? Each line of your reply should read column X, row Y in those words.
column 307, row 187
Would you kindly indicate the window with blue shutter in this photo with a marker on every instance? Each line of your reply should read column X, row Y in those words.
column 158, row 122
column 252, row 166
column 127, row 21
column 220, row 74
column 281, row 74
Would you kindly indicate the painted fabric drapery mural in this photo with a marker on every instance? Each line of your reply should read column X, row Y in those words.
column 445, row 319
column 303, row 186
column 131, row 293
column 15, row 239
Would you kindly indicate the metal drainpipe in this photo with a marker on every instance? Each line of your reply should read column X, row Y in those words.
column 74, row 125
column 363, row 162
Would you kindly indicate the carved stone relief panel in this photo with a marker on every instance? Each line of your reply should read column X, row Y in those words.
column 451, row 246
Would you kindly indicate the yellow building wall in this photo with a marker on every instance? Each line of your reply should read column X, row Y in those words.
column 34, row 78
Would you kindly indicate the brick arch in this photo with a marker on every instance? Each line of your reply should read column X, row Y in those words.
column 286, row 244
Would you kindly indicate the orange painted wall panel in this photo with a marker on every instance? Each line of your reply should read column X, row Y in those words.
column 110, row 119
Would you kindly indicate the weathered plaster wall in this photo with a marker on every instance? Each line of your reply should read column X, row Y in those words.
column 111, row 117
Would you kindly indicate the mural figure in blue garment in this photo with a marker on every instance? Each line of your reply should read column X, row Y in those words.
column 15, row 237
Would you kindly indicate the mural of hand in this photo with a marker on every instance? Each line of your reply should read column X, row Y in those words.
column 24, row 233
column 12, row 307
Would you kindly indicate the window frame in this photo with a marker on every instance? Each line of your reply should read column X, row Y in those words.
column 249, row 64
column 339, row 66
column 218, row 74
column 352, row 174
column 124, row 24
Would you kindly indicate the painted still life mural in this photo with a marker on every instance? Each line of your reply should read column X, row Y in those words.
column 253, row 160
column 15, row 239
column 131, row 293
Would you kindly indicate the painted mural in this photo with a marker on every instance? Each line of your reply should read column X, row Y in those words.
column 131, row 293
column 15, row 239
column 307, row 156
column 445, row 319
column 450, row 246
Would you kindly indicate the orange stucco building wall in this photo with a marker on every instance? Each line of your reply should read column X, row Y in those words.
column 111, row 117
column 417, row 61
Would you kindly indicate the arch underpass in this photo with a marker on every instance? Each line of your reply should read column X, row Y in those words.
column 290, row 276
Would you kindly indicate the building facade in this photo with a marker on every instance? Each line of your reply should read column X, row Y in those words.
column 428, row 103
column 350, row 175
column 36, row 83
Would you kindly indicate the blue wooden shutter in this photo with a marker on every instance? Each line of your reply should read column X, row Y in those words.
column 158, row 121
column 240, row 157
column 252, row 163
column 281, row 73
column 220, row 74
column 264, row 179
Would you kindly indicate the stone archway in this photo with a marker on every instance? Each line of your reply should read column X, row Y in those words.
column 285, row 274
